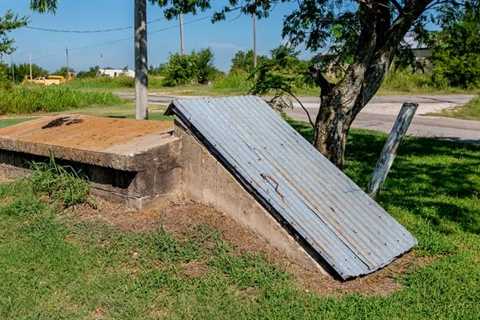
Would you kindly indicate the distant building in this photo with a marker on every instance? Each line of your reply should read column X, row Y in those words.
column 421, row 52
column 113, row 73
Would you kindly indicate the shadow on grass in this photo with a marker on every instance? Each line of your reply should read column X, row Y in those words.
column 436, row 180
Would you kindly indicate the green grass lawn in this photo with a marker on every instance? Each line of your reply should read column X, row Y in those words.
column 470, row 111
column 57, row 266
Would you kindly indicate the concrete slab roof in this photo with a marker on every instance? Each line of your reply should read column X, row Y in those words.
column 108, row 142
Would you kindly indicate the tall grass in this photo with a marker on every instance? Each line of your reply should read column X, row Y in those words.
column 63, row 185
column 237, row 81
column 22, row 100
column 102, row 83
column 112, row 83
column 406, row 81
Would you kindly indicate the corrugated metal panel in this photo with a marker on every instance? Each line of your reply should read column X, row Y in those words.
column 327, row 210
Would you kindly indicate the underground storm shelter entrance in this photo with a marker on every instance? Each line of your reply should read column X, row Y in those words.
column 338, row 224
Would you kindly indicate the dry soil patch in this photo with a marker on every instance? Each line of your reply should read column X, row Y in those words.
column 180, row 218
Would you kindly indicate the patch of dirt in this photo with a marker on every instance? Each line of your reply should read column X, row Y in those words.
column 181, row 218
column 4, row 177
column 380, row 283
column 117, row 215
column 99, row 313
column 194, row 269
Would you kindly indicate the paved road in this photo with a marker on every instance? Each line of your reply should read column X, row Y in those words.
column 422, row 126
column 380, row 114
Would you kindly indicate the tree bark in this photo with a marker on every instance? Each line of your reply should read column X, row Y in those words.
column 331, row 127
column 339, row 106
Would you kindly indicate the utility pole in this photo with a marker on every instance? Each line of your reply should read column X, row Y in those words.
column 30, row 62
column 68, row 64
column 254, row 18
column 182, row 44
column 141, row 61
column 13, row 68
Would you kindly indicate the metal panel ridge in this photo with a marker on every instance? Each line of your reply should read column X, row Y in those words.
column 338, row 221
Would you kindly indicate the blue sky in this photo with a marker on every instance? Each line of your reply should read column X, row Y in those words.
column 48, row 49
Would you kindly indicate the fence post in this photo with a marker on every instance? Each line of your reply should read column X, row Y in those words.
column 384, row 163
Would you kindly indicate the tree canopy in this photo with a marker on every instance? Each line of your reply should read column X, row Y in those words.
column 23, row 70
column 9, row 22
column 456, row 56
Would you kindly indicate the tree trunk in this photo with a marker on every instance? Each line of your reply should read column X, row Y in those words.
column 339, row 106
column 331, row 127
column 341, row 102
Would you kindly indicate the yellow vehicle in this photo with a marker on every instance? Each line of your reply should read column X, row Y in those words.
column 48, row 80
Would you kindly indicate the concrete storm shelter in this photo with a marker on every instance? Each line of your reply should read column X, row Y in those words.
column 235, row 154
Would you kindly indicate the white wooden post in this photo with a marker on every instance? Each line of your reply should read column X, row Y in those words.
column 384, row 163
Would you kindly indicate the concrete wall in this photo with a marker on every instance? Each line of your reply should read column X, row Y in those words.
column 205, row 180
column 158, row 176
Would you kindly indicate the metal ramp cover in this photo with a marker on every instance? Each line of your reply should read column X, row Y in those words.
column 340, row 224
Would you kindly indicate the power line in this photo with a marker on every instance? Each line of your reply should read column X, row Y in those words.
column 111, row 29
column 102, row 44
column 87, row 31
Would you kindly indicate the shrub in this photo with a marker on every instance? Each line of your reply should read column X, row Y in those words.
column 282, row 73
column 243, row 61
column 205, row 71
column 180, row 70
column 90, row 73
column 196, row 67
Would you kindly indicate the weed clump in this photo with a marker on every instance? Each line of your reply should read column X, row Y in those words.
column 62, row 184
